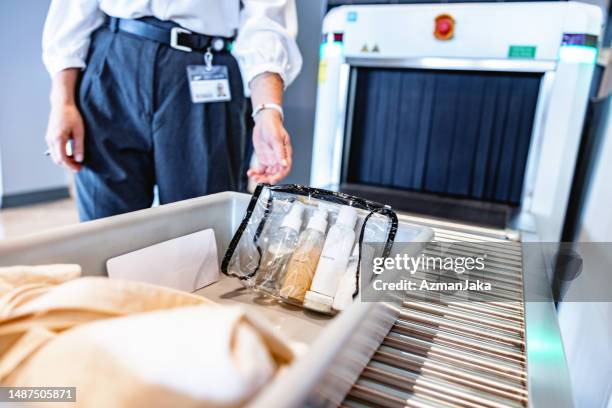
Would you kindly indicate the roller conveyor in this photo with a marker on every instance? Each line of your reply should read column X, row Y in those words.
column 448, row 353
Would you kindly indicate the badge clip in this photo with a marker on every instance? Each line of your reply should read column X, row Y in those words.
column 208, row 59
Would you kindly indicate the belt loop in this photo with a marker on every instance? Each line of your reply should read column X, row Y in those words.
column 113, row 24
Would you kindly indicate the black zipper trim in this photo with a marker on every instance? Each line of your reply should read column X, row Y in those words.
column 321, row 194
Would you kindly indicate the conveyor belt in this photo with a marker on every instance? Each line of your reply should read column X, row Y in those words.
column 444, row 353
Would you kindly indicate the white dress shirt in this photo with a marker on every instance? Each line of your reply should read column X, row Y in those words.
column 265, row 41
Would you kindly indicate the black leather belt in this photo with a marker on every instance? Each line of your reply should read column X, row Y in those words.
column 176, row 37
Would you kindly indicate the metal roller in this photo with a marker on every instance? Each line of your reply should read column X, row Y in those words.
column 446, row 351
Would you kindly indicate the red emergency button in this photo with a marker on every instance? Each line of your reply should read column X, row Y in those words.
column 444, row 27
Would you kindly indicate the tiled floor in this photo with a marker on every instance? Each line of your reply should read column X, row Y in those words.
column 20, row 221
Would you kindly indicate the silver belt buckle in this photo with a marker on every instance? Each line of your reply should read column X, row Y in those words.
column 174, row 33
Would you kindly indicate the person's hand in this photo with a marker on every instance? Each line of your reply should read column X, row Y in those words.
column 65, row 123
column 272, row 148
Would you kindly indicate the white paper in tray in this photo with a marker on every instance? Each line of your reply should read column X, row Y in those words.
column 186, row 263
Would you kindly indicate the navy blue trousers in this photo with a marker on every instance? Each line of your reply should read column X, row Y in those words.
column 142, row 130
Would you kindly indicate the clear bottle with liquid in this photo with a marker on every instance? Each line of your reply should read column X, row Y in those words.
column 248, row 257
column 303, row 263
column 279, row 248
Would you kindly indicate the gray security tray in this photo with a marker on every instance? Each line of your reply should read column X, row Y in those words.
column 335, row 349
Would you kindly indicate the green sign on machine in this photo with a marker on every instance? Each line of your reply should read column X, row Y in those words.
column 522, row 51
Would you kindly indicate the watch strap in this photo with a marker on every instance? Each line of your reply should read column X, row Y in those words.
column 264, row 106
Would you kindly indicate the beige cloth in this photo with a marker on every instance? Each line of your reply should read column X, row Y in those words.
column 18, row 276
column 128, row 343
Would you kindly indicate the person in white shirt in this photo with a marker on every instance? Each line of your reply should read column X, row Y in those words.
column 152, row 93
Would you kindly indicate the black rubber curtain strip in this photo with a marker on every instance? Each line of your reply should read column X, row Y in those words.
column 455, row 133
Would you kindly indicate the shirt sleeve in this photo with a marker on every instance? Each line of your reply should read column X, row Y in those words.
column 67, row 32
column 266, row 40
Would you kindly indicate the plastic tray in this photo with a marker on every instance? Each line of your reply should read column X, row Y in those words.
column 332, row 352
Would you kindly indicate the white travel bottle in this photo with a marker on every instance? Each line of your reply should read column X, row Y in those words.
column 348, row 283
column 278, row 250
column 333, row 262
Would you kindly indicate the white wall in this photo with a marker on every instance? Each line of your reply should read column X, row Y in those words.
column 586, row 327
column 596, row 225
column 24, row 106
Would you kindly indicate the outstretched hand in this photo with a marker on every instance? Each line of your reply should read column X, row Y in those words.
column 270, row 139
column 272, row 148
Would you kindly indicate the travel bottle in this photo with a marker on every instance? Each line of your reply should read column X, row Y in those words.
column 333, row 262
column 278, row 250
column 304, row 260
column 347, row 284
column 247, row 259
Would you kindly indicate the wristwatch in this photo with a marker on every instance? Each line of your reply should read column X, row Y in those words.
column 263, row 106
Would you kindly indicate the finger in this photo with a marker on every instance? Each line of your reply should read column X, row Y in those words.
column 272, row 169
column 280, row 171
column 275, row 178
column 261, row 179
column 54, row 151
column 78, row 149
column 65, row 160
column 271, row 178
column 265, row 166
column 254, row 174
column 278, row 146
column 52, row 147
column 288, row 153
column 266, row 156
column 263, row 153
column 274, row 174
column 254, row 164
column 284, row 173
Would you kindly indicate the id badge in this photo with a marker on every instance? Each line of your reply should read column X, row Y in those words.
column 208, row 85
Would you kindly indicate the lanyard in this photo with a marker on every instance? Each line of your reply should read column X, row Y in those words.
column 208, row 59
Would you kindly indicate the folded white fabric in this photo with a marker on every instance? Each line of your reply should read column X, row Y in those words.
column 15, row 276
column 130, row 344
column 191, row 356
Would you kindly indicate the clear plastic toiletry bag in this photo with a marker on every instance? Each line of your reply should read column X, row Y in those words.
column 304, row 245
